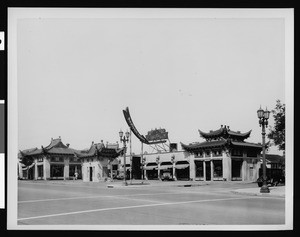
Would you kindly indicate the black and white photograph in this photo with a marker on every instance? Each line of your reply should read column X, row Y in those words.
column 150, row 119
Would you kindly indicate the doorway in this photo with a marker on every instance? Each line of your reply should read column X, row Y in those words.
column 207, row 169
column 236, row 167
column 91, row 173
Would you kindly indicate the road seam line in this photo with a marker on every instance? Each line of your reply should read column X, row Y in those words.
column 128, row 207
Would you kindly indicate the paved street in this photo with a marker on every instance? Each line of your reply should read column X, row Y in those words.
column 157, row 203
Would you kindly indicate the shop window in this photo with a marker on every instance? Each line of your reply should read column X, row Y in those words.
column 57, row 170
column 218, row 171
column 199, row 168
column 40, row 171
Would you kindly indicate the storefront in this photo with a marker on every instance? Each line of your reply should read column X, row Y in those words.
column 151, row 170
column 182, row 169
column 224, row 156
column 99, row 162
column 55, row 161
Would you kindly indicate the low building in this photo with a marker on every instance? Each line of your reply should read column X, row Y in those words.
column 274, row 161
column 224, row 156
column 99, row 161
column 55, row 161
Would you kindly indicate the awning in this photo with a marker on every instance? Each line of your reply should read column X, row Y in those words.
column 182, row 165
column 150, row 166
column 165, row 167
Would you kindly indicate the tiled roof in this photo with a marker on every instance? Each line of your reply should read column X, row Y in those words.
column 247, row 144
column 218, row 143
column 203, row 145
column 60, row 150
column 273, row 158
column 224, row 132
column 55, row 143
column 55, row 147
column 100, row 150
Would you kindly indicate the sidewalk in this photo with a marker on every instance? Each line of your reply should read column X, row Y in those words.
column 278, row 191
column 158, row 183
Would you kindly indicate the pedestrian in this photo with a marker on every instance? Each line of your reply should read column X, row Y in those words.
column 76, row 175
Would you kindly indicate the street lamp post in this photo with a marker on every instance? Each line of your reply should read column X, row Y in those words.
column 263, row 117
column 124, row 139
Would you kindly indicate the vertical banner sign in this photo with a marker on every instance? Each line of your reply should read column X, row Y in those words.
column 132, row 127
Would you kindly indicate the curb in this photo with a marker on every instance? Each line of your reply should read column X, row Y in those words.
column 258, row 194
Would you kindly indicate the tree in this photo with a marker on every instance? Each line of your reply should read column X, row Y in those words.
column 277, row 133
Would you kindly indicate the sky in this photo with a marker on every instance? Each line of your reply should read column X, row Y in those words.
column 75, row 76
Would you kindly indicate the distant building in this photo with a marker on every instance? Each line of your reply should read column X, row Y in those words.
column 274, row 161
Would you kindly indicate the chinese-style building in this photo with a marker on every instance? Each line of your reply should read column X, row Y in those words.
column 99, row 161
column 55, row 161
column 224, row 155
column 59, row 161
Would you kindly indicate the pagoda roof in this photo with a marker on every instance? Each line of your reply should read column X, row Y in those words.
column 246, row 144
column 203, row 145
column 56, row 146
column 224, row 132
column 218, row 144
column 29, row 152
column 98, row 149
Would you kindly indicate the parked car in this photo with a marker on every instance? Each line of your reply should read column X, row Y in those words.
column 274, row 181
column 120, row 175
column 166, row 176
column 274, row 177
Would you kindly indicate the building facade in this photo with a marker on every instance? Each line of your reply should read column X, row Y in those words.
column 55, row 161
column 99, row 162
column 224, row 155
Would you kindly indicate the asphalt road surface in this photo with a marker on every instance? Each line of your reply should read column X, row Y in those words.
column 78, row 203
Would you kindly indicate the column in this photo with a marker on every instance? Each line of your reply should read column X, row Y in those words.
column 226, row 166
column 204, row 171
column 20, row 170
column 66, row 168
column 244, row 171
column 158, row 171
column 145, row 172
column 111, row 170
column 211, row 170
column 174, row 172
column 192, row 169
column 35, row 170
column 44, row 169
